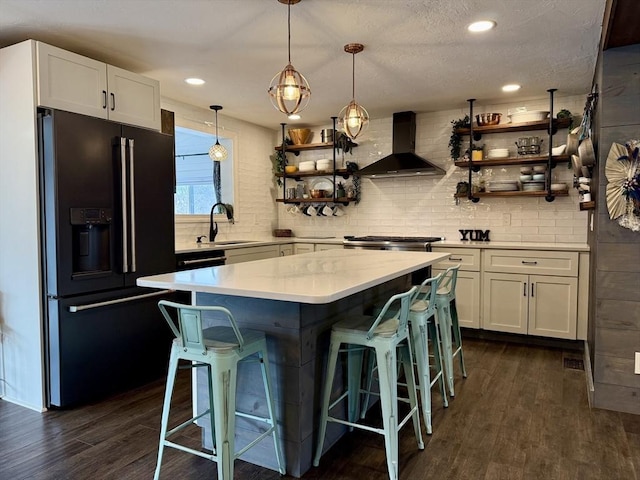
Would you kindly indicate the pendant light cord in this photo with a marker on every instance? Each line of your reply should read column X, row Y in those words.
column 217, row 126
column 353, row 77
column 289, row 29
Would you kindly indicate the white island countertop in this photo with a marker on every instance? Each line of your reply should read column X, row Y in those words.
column 316, row 278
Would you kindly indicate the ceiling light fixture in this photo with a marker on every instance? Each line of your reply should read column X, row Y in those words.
column 217, row 152
column 289, row 90
column 481, row 26
column 353, row 119
column 294, row 116
column 511, row 88
column 194, row 81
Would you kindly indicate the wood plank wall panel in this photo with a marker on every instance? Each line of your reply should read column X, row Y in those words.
column 615, row 305
column 619, row 257
column 618, row 314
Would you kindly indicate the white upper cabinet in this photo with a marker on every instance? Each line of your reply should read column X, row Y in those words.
column 133, row 99
column 72, row 82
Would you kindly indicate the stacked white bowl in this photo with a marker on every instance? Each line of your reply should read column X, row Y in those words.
column 307, row 166
column 324, row 164
column 498, row 153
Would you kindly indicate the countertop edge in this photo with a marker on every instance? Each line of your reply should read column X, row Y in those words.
column 572, row 247
column 203, row 247
column 236, row 288
column 566, row 247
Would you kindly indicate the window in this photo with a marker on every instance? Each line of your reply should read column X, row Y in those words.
column 201, row 182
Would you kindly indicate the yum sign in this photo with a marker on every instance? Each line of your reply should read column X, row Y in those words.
column 477, row 235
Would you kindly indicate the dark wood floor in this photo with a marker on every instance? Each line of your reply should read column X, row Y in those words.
column 520, row 414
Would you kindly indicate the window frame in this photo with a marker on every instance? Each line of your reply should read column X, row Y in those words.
column 210, row 129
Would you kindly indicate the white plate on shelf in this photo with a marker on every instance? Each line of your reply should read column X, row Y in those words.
column 321, row 183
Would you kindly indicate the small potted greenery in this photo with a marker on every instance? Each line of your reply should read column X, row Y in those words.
column 278, row 161
column 344, row 143
column 340, row 191
column 455, row 141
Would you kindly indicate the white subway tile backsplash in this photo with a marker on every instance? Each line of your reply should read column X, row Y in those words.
column 409, row 206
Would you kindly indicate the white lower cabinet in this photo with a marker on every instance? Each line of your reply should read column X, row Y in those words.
column 286, row 250
column 328, row 246
column 543, row 305
column 303, row 248
column 467, row 298
column 248, row 254
column 468, row 284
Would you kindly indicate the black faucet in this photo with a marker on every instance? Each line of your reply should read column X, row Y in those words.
column 213, row 226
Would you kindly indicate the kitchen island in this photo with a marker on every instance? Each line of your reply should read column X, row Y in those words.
column 295, row 300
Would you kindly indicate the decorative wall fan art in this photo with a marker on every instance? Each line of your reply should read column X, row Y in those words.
column 623, row 190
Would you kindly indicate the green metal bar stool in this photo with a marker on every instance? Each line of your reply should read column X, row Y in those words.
column 386, row 335
column 218, row 350
column 423, row 327
column 451, row 336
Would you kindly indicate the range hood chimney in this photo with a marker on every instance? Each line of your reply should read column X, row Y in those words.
column 403, row 162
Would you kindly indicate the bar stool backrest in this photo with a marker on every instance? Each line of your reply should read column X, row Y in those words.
column 426, row 292
column 448, row 281
column 392, row 316
column 188, row 328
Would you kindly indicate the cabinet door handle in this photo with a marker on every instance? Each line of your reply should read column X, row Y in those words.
column 453, row 259
column 104, row 99
column 524, row 289
column 524, row 262
column 113, row 102
column 532, row 289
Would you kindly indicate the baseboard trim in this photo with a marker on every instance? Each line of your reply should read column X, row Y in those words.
column 562, row 343
column 588, row 374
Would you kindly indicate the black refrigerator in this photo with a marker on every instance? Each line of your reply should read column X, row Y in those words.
column 107, row 219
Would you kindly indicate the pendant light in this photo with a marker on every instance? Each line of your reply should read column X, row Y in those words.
column 217, row 152
column 289, row 90
column 353, row 119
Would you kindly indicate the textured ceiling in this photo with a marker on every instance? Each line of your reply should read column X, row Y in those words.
column 418, row 54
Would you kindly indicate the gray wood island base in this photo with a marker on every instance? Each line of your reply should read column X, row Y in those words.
column 295, row 300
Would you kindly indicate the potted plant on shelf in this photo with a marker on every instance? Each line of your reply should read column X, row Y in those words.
column 344, row 143
column 340, row 191
column 278, row 162
column 455, row 141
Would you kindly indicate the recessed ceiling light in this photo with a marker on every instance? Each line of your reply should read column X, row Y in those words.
column 481, row 26
column 294, row 116
column 511, row 88
column 194, row 81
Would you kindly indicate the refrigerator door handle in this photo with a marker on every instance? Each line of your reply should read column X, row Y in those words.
column 123, row 199
column 89, row 306
column 132, row 211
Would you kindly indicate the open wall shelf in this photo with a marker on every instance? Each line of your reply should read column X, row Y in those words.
column 519, row 193
column 516, row 127
column 523, row 160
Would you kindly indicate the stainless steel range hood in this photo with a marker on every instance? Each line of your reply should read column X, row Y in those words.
column 403, row 162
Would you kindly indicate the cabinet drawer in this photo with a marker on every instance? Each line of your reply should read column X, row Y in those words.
column 249, row 254
column 564, row 264
column 468, row 258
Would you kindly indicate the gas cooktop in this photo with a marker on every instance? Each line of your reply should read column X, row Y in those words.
column 380, row 238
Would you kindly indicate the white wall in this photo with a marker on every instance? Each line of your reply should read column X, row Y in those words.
column 426, row 206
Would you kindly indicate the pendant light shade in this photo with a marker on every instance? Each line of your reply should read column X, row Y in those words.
column 217, row 152
column 353, row 119
column 289, row 91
